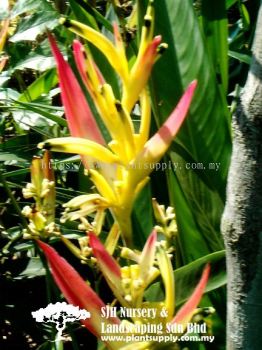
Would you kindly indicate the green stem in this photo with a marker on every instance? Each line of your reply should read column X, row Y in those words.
column 13, row 201
column 125, row 225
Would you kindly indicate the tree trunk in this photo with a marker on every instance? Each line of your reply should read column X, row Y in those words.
column 242, row 219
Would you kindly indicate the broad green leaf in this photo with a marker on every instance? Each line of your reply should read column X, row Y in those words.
column 142, row 217
column 198, row 196
column 198, row 201
column 187, row 225
column 34, row 25
column 36, row 62
column 39, row 59
column 22, row 6
column 214, row 27
column 187, row 277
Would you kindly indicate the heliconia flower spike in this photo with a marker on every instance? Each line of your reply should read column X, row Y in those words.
column 158, row 144
column 129, row 157
column 80, row 119
column 186, row 312
column 78, row 292
column 109, row 267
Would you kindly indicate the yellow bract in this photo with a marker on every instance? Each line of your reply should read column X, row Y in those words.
column 80, row 146
column 101, row 42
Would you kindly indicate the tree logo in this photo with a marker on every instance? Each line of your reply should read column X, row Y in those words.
column 60, row 314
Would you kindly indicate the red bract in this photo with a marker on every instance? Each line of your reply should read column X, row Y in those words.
column 80, row 119
column 77, row 291
column 185, row 314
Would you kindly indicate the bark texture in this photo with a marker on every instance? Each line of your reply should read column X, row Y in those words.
column 242, row 219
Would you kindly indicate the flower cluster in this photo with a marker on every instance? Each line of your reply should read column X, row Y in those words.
column 118, row 168
column 41, row 214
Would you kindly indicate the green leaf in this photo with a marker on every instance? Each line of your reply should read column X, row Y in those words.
column 187, row 225
column 19, row 148
column 41, row 85
column 82, row 15
column 33, row 269
column 35, row 24
column 11, row 157
column 53, row 117
column 142, row 217
column 242, row 57
column 6, row 94
column 36, row 62
column 16, row 172
column 198, row 195
column 39, row 59
column 187, row 277
column 245, row 16
column 27, row 119
column 22, row 6
column 87, row 10
column 215, row 29
column 230, row 3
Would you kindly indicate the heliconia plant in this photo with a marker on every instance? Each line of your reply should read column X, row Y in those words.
column 120, row 168
column 127, row 287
